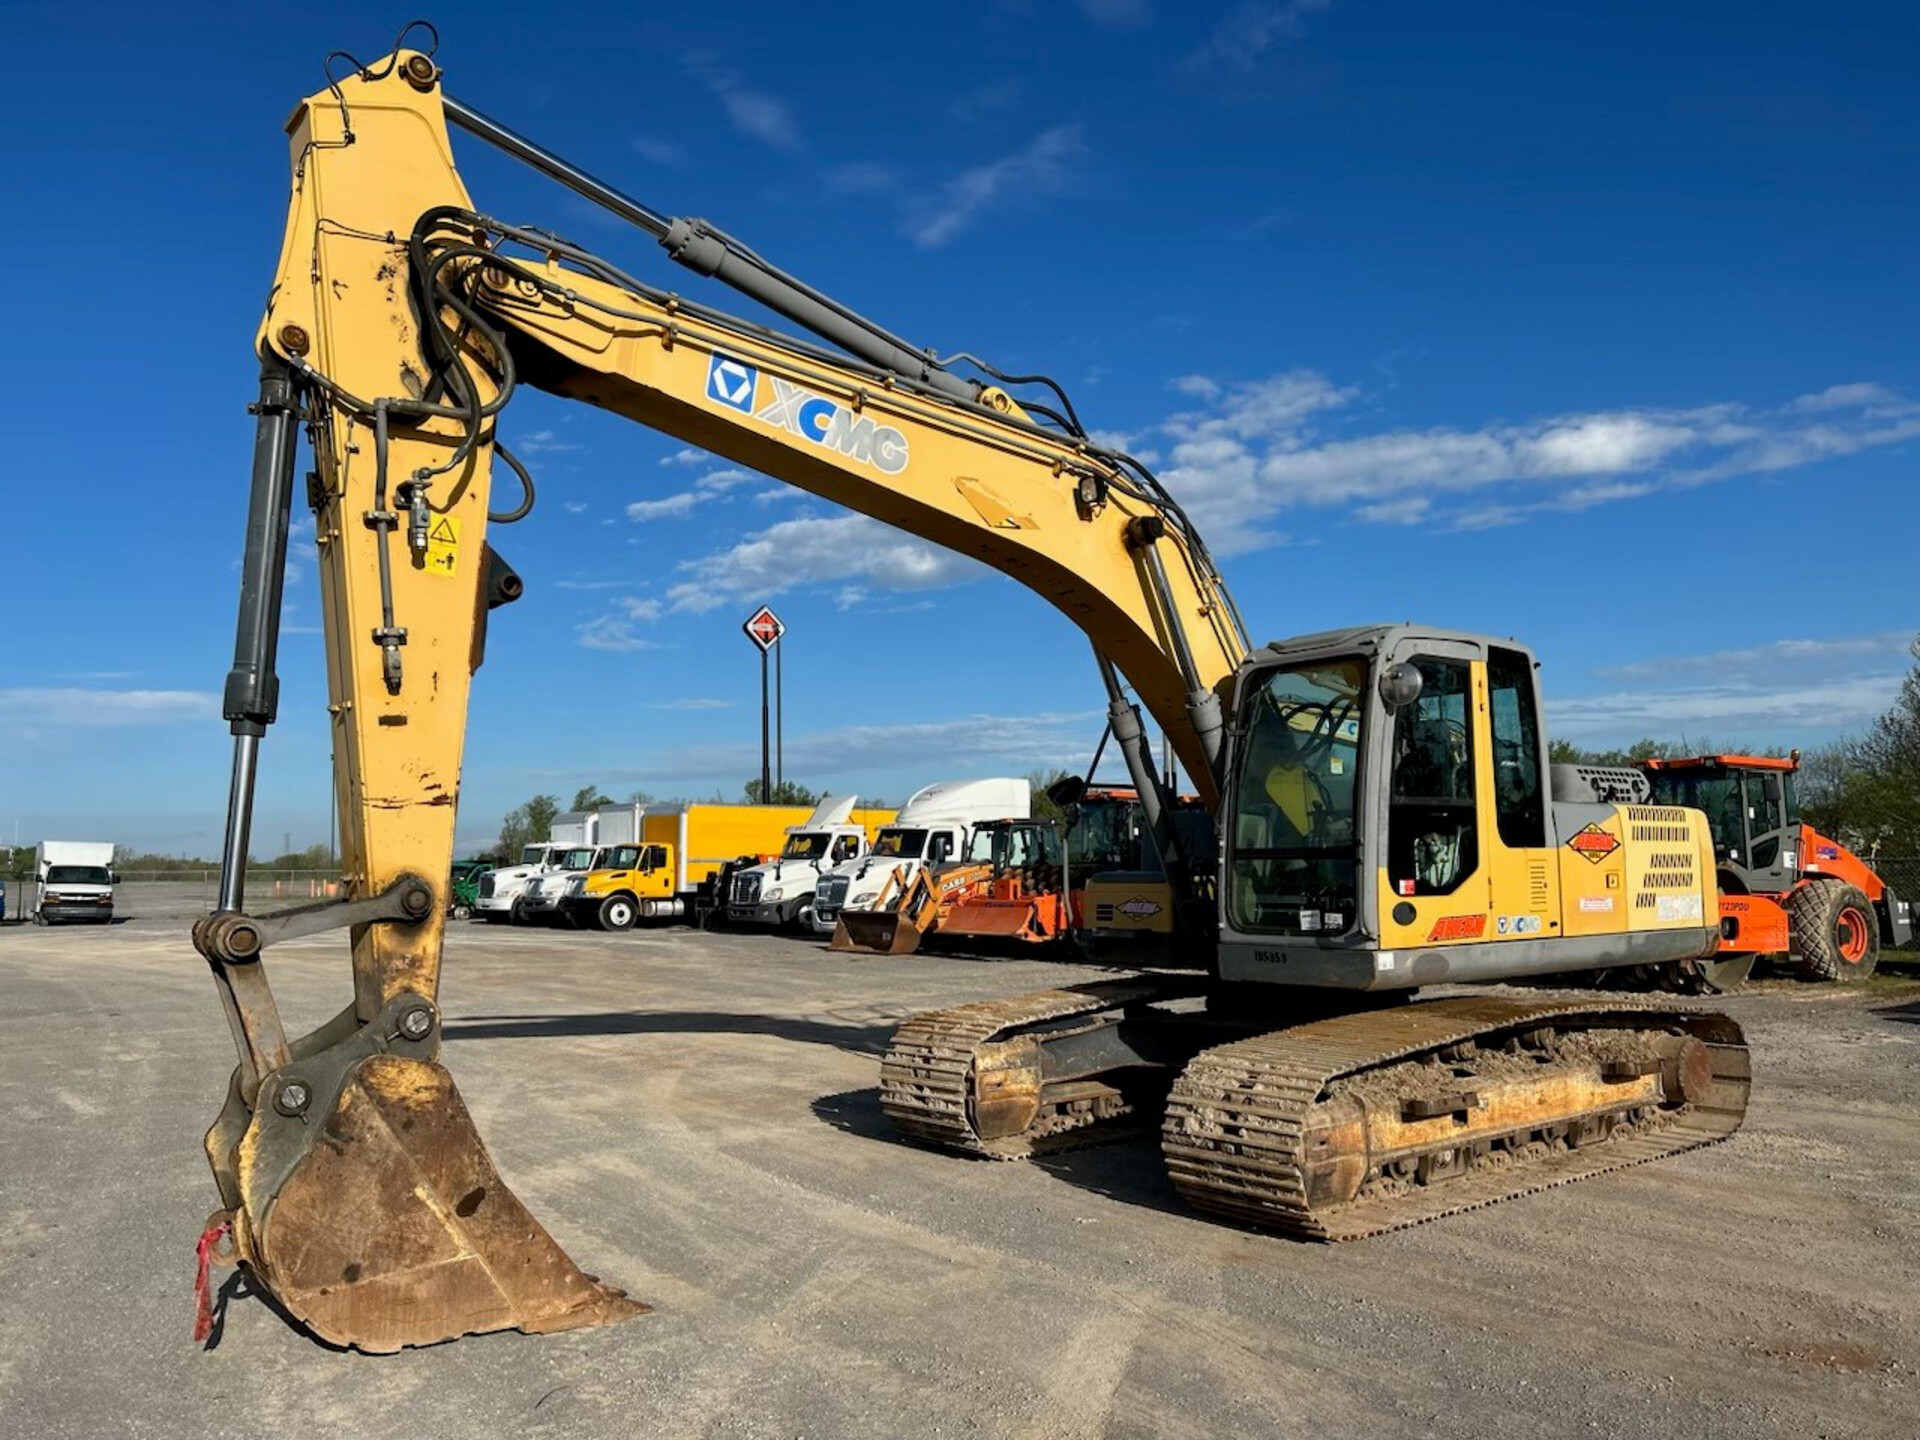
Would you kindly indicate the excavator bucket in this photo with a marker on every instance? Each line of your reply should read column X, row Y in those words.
column 380, row 1221
column 875, row 932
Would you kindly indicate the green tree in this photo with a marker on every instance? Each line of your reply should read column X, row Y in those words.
column 1037, row 783
column 786, row 792
column 528, row 824
column 1867, row 790
column 588, row 797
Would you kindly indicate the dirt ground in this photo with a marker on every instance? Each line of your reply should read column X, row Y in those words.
column 695, row 1118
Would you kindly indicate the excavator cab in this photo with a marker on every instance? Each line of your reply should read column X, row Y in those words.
column 1394, row 822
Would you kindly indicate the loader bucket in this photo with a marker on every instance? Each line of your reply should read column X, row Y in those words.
column 379, row 1221
column 995, row 919
column 875, row 932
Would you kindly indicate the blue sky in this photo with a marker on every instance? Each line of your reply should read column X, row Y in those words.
column 1595, row 328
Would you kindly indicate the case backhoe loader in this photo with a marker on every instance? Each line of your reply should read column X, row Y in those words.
column 1387, row 815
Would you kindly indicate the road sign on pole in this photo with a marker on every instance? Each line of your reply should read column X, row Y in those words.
column 764, row 629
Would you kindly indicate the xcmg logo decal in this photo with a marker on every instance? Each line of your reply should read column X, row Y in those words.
column 796, row 409
column 732, row 382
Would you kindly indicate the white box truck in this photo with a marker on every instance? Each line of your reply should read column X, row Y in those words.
column 932, row 829
column 76, row 881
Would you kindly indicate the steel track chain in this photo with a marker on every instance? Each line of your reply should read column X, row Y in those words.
column 926, row 1077
column 1235, row 1125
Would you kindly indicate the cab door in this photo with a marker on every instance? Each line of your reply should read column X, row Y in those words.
column 1770, row 863
column 1435, row 870
column 1522, row 868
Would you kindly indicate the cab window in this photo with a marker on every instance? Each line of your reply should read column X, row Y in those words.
column 1431, row 839
column 1518, row 803
column 623, row 857
column 655, row 858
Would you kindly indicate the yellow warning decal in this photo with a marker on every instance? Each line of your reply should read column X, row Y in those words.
column 443, row 545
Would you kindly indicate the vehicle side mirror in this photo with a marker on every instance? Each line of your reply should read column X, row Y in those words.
column 1400, row 685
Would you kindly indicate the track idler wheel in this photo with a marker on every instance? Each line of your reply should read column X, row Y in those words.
column 375, row 1217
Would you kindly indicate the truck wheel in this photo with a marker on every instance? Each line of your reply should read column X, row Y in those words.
column 617, row 912
column 517, row 913
column 461, row 912
column 1836, row 934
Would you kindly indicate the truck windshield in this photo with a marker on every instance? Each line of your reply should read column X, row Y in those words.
column 808, row 845
column 580, row 858
column 77, row 875
column 533, row 854
column 1294, row 861
column 621, row 857
column 901, row 844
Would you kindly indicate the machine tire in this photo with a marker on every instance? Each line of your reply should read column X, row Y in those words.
column 618, row 912
column 1836, row 932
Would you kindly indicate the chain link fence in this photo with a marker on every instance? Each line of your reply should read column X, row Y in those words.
column 188, row 890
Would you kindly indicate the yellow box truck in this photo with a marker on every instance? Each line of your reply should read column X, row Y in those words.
column 659, row 856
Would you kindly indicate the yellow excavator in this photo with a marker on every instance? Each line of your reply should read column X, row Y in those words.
column 1387, row 818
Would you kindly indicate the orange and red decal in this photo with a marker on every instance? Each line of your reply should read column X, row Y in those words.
column 1459, row 927
column 1593, row 842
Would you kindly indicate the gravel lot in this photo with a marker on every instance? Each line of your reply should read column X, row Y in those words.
column 694, row 1117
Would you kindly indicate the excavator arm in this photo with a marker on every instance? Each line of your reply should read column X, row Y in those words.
column 400, row 323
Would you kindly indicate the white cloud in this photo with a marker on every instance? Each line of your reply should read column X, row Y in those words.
column 1756, row 664
column 1248, row 31
column 30, row 709
column 1256, row 450
column 1730, row 713
column 988, row 99
column 708, row 488
column 688, row 456
column 1766, row 693
column 754, row 113
column 575, row 507
column 816, row 552
column 691, row 702
column 618, row 629
column 1200, row 387
column 542, row 442
column 1118, row 14
column 656, row 151
column 1040, row 169
column 591, row 584
column 979, row 744
column 667, row 507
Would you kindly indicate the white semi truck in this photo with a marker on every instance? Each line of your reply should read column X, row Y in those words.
column 780, row 892
column 76, row 881
column 932, row 829
column 503, row 892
